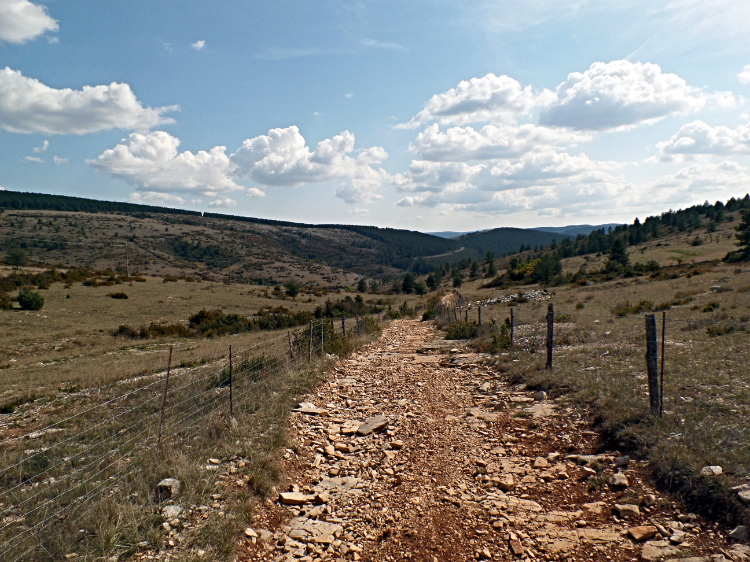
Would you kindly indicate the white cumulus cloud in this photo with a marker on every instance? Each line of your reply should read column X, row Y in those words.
column 198, row 45
column 282, row 158
column 155, row 197
column 225, row 202
column 34, row 159
column 152, row 163
column 744, row 76
column 699, row 138
column 497, row 99
column 58, row 160
column 21, row 20
column 620, row 94
column 460, row 144
column 38, row 149
column 28, row 106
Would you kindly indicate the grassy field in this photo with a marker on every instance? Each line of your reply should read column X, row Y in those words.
column 600, row 364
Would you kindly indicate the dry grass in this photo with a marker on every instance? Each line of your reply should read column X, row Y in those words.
column 67, row 345
column 107, row 453
column 600, row 365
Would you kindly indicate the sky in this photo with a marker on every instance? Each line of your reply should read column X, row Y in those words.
column 430, row 116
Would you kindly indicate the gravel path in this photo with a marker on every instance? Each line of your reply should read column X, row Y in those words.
column 414, row 450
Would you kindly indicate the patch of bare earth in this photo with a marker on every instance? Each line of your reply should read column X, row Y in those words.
column 466, row 468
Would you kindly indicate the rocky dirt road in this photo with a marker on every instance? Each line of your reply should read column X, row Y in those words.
column 415, row 450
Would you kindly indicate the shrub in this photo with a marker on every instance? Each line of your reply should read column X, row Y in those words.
column 628, row 308
column 580, row 305
column 29, row 299
column 711, row 306
column 461, row 331
column 117, row 295
column 5, row 302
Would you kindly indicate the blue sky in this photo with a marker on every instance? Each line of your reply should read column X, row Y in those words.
column 421, row 115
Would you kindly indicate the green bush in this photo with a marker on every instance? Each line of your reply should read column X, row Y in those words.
column 29, row 299
column 711, row 306
column 5, row 302
column 117, row 295
column 461, row 331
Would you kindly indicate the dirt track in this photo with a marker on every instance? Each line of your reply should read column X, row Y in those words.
column 466, row 468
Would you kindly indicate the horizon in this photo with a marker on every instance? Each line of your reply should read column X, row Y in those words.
column 426, row 117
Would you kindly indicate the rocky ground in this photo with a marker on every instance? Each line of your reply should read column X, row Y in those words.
column 413, row 449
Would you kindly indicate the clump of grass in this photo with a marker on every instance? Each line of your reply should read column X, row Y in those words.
column 119, row 295
column 711, row 306
column 461, row 330
column 627, row 308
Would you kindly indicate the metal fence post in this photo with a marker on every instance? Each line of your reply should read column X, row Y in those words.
column 164, row 404
column 652, row 363
column 550, row 334
column 479, row 314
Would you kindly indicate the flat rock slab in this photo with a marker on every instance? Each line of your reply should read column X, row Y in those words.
column 295, row 498
column 483, row 415
column 642, row 533
column 657, row 550
column 312, row 409
column 375, row 424
column 343, row 485
column 541, row 410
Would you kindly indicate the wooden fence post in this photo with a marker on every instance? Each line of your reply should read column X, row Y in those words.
column 661, row 374
column 231, row 386
column 322, row 336
column 511, row 326
column 467, row 314
column 652, row 364
column 550, row 334
column 479, row 315
column 343, row 325
column 291, row 349
column 357, row 327
column 164, row 404
column 309, row 344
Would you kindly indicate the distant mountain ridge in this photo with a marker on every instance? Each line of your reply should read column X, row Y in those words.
column 575, row 229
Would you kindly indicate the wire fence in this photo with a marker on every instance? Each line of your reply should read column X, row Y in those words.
column 55, row 474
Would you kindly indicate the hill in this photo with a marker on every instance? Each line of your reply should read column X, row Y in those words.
column 505, row 240
column 576, row 229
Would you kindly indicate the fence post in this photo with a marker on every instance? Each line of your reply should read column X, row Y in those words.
column 652, row 363
column 309, row 344
column 661, row 374
column 467, row 314
column 291, row 349
column 343, row 325
column 164, row 404
column 231, row 386
column 511, row 326
column 479, row 314
column 322, row 336
column 550, row 334
column 358, row 327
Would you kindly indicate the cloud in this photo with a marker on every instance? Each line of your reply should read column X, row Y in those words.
column 282, row 158
column 226, row 202
column 744, row 76
column 699, row 138
column 198, row 45
column 436, row 177
column 155, row 197
column 349, row 95
column 491, row 142
column 254, row 192
column 619, row 95
column 152, row 163
column 28, row 106
column 360, row 212
column 34, row 159
column 58, row 160
column 382, row 45
column 20, row 20
column 546, row 168
column 38, row 149
column 497, row 99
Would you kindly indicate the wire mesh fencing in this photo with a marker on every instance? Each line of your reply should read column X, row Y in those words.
column 53, row 475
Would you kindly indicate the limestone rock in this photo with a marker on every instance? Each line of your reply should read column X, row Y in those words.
column 539, row 396
column 642, row 533
column 711, row 471
column 739, row 533
column 170, row 512
column 627, row 510
column 657, row 550
column 374, row 424
column 168, row 488
column 249, row 532
column 541, row 462
column 622, row 461
column 312, row 409
column 648, row 500
column 619, row 479
column 295, row 498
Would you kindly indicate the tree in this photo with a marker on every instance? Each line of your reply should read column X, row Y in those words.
column 29, row 299
column 407, row 284
column 458, row 279
column 362, row 286
column 474, row 271
column 374, row 287
column 618, row 256
column 491, row 269
column 431, row 283
column 548, row 268
column 292, row 287
column 16, row 256
column 420, row 287
column 743, row 240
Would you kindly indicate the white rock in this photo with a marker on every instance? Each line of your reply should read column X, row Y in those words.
column 711, row 470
